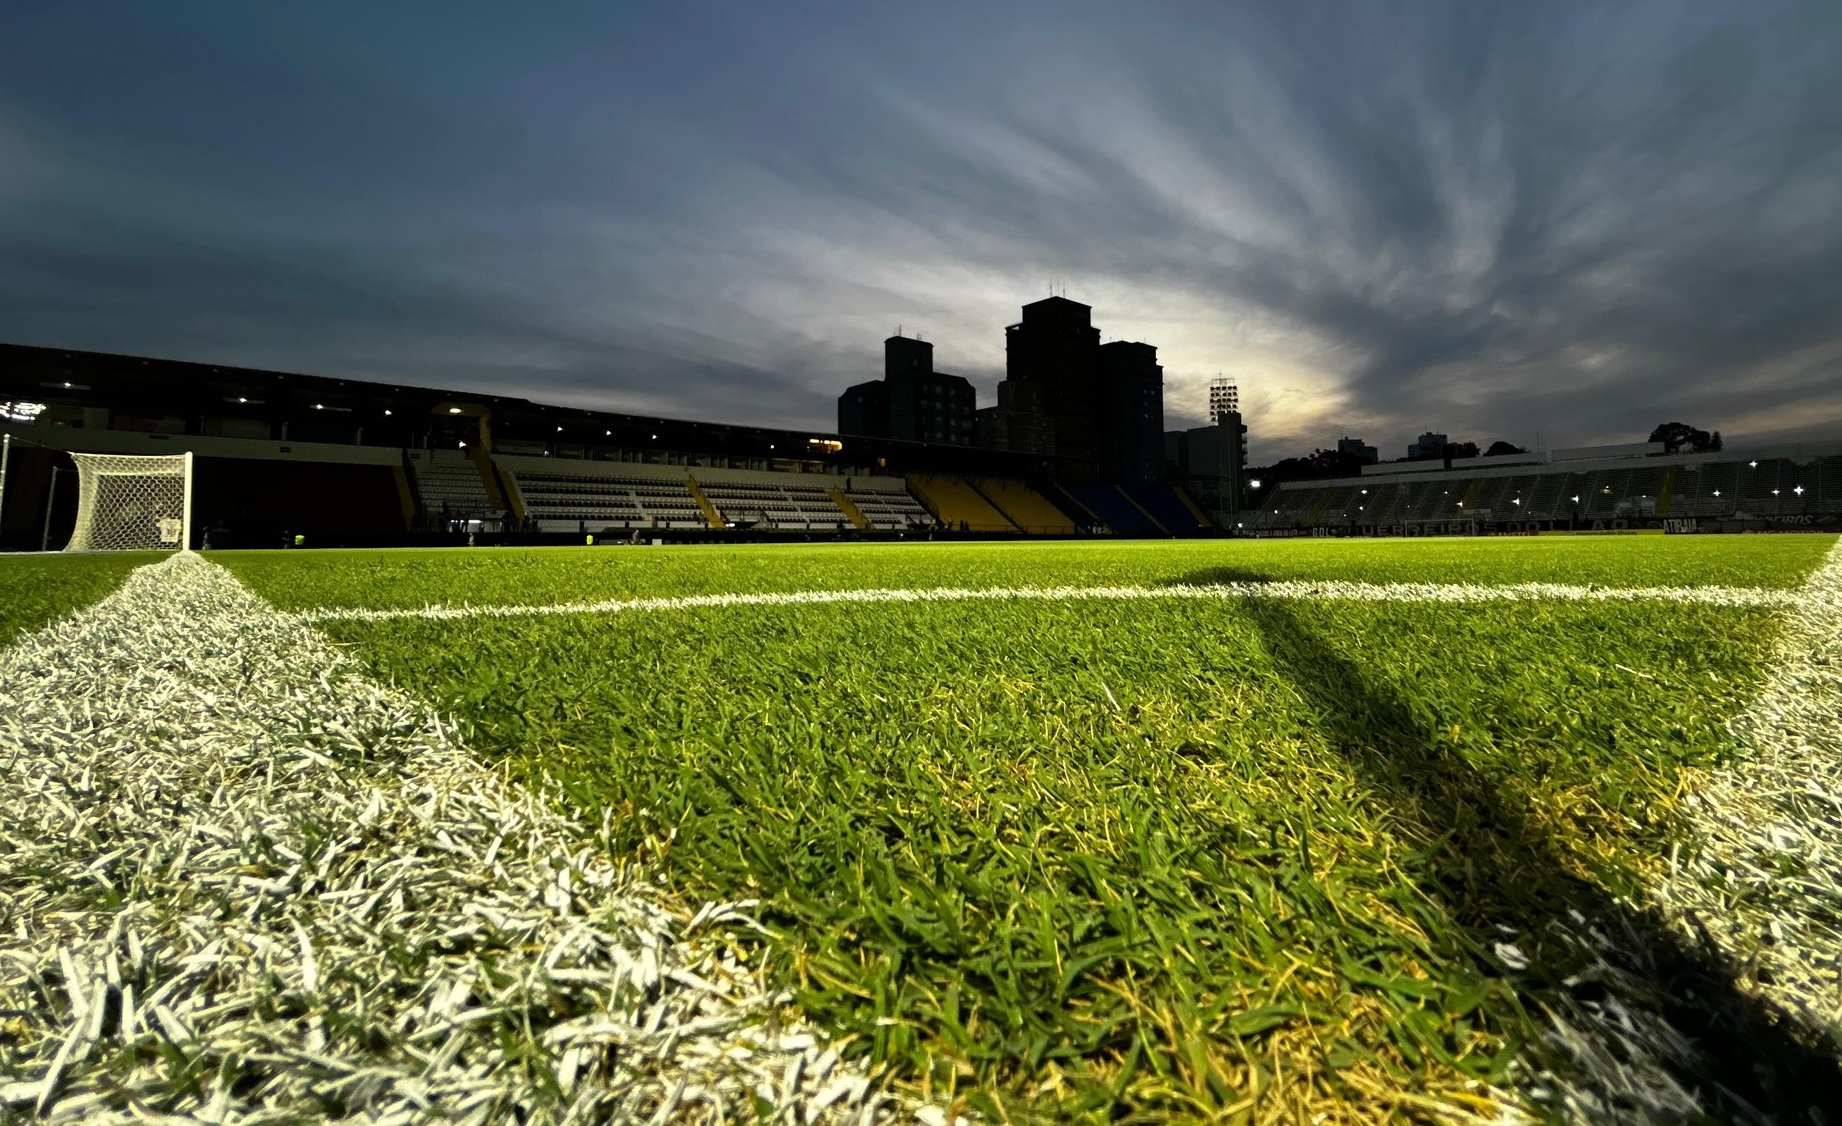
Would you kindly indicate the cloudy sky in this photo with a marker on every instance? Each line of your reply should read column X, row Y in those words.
column 1495, row 221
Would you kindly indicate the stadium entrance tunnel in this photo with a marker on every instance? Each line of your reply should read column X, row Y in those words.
column 1498, row 872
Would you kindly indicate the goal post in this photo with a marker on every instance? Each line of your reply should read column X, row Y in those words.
column 129, row 502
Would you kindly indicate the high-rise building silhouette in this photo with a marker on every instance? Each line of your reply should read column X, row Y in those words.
column 1210, row 462
column 1129, row 413
column 912, row 402
column 1098, row 410
column 1430, row 445
column 863, row 410
column 1366, row 453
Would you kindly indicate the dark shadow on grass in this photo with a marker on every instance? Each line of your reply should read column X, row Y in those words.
column 1746, row 1060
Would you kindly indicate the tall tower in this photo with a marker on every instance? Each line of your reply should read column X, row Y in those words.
column 1051, row 362
column 1224, row 398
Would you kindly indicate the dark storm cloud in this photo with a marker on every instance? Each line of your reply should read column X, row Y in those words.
column 1486, row 219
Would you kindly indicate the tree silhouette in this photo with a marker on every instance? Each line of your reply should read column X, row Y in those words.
column 1676, row 435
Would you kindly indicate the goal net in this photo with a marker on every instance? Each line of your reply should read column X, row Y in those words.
column 129, row 503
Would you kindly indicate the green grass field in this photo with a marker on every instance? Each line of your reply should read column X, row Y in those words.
column 37, row 589
column 1147, row 860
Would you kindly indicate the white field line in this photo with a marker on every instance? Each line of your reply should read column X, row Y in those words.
column 242, row 882
column 1306, row 590
column 1761, row 870
column 1759, row 873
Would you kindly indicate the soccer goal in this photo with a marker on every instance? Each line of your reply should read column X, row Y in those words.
column 131, row 503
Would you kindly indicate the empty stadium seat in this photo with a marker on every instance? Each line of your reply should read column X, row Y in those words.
column 1162, row 502
column 449, row 482
column 1025, row 507
column 563, row 501
column 959, row 505
column 888, row 510
column 1111, row 506
column 795, row 506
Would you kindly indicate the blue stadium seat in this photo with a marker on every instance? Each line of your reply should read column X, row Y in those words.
column 1164, row 505
column 1105, row 502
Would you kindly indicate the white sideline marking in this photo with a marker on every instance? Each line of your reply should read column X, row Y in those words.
column 1757, row 871
column 1761, row 870
column 1290, row 589
column 208, row 810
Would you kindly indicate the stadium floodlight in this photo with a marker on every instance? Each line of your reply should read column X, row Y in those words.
column 128, row 502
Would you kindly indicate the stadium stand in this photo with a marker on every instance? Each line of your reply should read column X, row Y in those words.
column 1286, row 508
column 957, row 504
column 1546, row 495
column 450, row 485
column 1197, row 515
column 561, row 494
column 1794, row 489
column 1157, row 525
column 1024, row 506
column 851, row 511
column 704, row 504
column 797, row 505
column 886, row 504
column 577, row 496
column 570, row 502
column 1086, row 519
column 1114, row 509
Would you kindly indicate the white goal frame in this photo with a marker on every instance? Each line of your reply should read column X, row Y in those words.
column 167, row 482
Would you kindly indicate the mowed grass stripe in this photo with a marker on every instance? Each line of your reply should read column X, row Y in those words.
column 1158, row 858
column 1341, row 591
